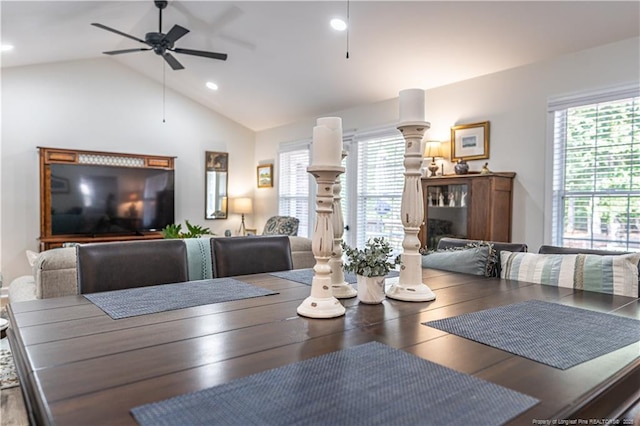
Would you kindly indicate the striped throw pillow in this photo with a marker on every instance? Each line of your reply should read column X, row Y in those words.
column 590, row 272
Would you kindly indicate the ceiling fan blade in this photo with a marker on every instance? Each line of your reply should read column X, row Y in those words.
column 175, row 33
column 173, row 62
column 104, row 27
column 118, row 52
column 213, row 55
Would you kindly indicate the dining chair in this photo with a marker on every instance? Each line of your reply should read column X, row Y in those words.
column 250, row 255
column 128, row 264
column 547, row 249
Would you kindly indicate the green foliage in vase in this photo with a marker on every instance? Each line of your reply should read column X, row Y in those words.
column 373, row 261
column 193, row 231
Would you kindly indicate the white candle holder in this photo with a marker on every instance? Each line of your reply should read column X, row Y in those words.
column 340, row 288
column 410, row 287
column 321, row 303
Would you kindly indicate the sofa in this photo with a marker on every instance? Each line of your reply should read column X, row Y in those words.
column 55, row 271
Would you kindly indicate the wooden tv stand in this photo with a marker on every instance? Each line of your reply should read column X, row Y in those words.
column 47, row 243
column 50, row 156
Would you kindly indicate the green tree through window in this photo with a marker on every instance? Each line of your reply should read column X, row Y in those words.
column 596, row 185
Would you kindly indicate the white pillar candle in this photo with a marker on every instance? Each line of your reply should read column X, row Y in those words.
column 334, row 123
column 327, row 142
column 411, row 105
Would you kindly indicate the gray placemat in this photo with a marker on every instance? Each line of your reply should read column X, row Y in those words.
column 167, row 297
column 369, row 384
column 553, row 334
column 305, row 276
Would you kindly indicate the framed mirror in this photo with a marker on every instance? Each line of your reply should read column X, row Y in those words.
column 215, row 185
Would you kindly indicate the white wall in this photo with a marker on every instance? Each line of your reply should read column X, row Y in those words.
column 101, row 105
column 514, row 101
column 3, row 286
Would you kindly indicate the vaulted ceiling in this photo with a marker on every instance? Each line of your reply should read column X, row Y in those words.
column 285, row 62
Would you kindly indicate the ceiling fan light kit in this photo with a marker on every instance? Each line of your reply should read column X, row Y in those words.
column 162, row 43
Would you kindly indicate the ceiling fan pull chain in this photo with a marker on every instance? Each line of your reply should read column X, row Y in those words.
column 348, row 28
column 164, row 90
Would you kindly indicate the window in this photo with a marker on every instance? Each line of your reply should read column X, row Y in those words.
column 379, row 185
column 596, row 171
column 293, row 185
column 371, row 187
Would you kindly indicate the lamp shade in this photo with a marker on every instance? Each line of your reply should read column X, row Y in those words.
column 242, row 205
column 432, row 149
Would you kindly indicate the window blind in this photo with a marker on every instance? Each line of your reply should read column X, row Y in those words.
column 380, row 181
column 293, row 186
column 596, row 174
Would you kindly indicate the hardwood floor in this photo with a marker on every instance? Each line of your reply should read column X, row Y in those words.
column 12, row 408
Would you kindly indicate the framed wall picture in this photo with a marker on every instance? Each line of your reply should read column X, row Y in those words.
column 470, row 141
column 265, row 176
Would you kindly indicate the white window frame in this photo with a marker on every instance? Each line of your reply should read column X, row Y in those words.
column 618, row 92
column 360, row 137
column 349, row 181
column 297, row 146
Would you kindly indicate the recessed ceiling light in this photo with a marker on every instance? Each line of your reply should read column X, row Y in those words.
column 6, row 47
column 212, row 86
column 338, row 24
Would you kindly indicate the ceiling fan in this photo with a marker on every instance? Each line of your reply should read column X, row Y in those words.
column 162, row 43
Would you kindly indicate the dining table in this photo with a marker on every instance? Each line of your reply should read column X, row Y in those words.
column 79, row 366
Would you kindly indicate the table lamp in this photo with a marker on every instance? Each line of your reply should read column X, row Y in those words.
column 432, row 149
column 243, row 206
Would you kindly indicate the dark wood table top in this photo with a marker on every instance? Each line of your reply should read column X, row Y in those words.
column 77, row 366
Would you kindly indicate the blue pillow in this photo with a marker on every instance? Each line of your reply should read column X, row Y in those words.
column 475, row 260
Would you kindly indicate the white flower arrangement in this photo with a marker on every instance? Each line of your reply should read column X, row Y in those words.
column 373, row 261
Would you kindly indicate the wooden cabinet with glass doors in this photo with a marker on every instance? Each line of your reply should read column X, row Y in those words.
column 472, row 206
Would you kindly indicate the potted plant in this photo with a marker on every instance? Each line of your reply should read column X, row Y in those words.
column 193, row 231
column 370, row 265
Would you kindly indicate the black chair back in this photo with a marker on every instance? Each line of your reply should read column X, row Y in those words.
column 571, row 250
column 250, row 255
column 128, row 264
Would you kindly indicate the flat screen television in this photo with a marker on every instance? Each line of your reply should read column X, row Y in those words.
column 99, row 200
